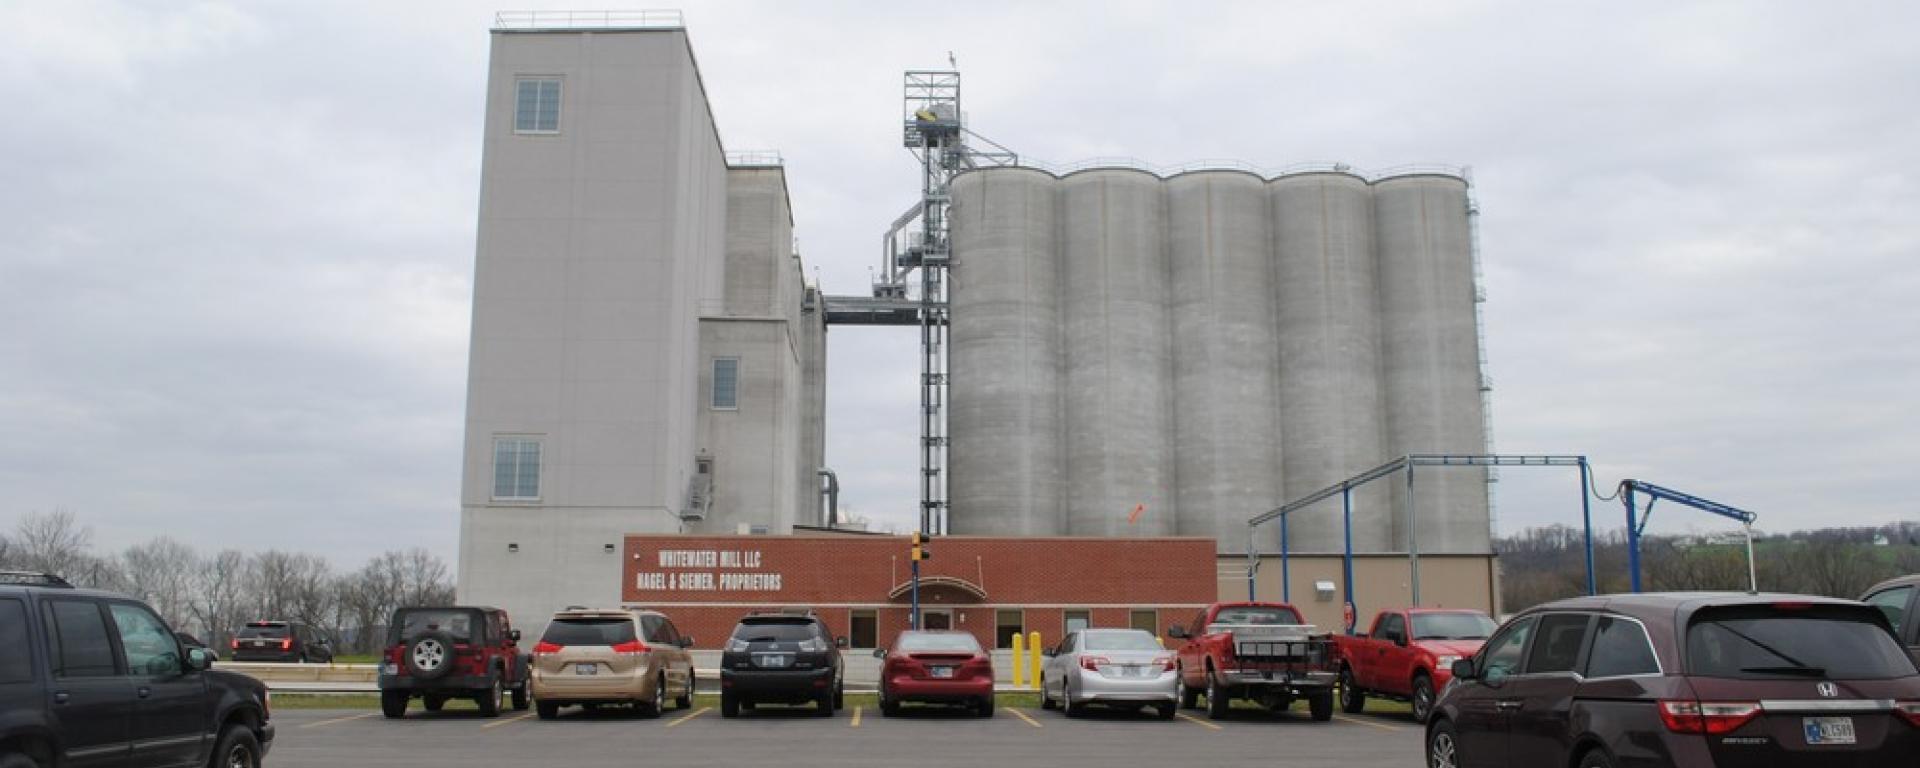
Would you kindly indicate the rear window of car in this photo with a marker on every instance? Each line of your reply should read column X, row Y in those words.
column 1257, row 615
column 16, row 659
column 1452, row 626
column 1770, row 642
column 956, row 643
column 1121, row 641
column 275, row 632
column 612, row 630
column 774, row 632
column 459, row 625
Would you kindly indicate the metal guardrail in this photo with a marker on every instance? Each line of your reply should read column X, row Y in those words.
column 637, row 19
column 1133, row 163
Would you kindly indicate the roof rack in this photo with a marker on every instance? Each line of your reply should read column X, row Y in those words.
column 34, row 579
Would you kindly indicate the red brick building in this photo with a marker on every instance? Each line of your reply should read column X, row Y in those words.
column 991, row 587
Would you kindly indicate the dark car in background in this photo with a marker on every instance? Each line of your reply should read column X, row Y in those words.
column 280, row 641
column 1899, row 599
column 96, row 678
column 783, row 658
column 1687, row 679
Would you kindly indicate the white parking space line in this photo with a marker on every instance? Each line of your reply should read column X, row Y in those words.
column 1382, row 726
column 1199, row 722
column 1024, row 716
column 361, row 716
column 694, row 714
column 508, row 721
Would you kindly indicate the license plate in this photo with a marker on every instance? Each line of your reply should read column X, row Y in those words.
column 1829, row 730
column 941, row 671
column 390, row 669
column 586, row 669
column 1134, row 670
column 772, row 660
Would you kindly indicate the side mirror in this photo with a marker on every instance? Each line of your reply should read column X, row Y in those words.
column 686, row 641
column 840, row 642
column 1463, row 669
column 879, row 653
column 1177, row 632
column 199, row 660
column 514, row 636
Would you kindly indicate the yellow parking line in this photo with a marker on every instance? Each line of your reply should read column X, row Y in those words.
column 1381, row 726
column 694, row 714
column 360, row 716
column 498, row 723
column 1023, row 716
column 856, row 718
column 1198, row 721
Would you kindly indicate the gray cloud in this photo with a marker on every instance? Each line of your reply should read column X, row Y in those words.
column 234, row 286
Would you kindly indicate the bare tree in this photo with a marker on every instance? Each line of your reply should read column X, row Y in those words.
column 6, row 553
column 218, row 586
column 54, row 542
column 162, row 572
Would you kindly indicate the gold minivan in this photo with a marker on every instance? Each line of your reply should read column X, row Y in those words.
column 592, row 657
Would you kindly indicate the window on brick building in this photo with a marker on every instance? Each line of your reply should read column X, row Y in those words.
column 1007, row 625
column 1078, row 621
column 1145, row 621
column 863, row 629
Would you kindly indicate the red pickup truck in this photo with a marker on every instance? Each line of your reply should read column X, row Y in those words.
column 1262, row 652
column 1408, row 655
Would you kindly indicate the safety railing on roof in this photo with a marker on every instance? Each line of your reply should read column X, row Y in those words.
column 1134, row 163
column 755, row 158
column 637, row 19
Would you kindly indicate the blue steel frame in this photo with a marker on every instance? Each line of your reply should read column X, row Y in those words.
column 1407, row 464
column 1637, row 522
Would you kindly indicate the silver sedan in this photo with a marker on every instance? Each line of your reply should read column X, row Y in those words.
column 1115, row 667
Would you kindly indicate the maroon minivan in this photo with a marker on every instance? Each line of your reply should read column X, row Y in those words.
column 1683, row 679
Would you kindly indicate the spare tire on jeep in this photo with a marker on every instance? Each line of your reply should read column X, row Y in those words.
column 429, row 656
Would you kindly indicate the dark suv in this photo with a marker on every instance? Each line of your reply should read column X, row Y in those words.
column 280, row 641
column 94, row 678
column 785, row 658
column 455, row 652
column 1694, row 679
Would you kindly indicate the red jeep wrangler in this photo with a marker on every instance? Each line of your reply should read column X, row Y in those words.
column 441, row 653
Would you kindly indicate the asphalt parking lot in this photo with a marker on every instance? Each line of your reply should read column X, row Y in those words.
column 856, row 736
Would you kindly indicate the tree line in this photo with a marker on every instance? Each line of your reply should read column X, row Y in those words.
column 1542, row 564
column 211, row 594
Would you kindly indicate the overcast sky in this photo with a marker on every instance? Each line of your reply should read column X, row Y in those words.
column 236, row 241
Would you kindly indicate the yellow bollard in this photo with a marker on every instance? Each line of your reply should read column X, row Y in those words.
column 1019, row 660
column 1033, row 641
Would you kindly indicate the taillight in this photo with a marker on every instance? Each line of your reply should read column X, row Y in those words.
column 546, row 647
column 1165, row 662
column 1092, row 663
column 1711, row 718
column 234, row 644
column 286, row 644
column 631, row 647
column 1909, row 710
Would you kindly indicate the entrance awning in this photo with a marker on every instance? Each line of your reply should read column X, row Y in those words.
column 952, row 583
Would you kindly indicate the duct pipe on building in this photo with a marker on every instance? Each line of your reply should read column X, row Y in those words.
column 832, row 492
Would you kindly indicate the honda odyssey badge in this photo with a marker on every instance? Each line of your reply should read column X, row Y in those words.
column 1828, row 690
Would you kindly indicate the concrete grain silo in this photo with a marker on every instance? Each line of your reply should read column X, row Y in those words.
column 1008, row 357
column 1226, row 400
column 1332, row 414
column 1119, row 436
column 1430, row 354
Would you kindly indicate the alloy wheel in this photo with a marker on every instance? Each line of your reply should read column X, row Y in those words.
column 239, row 757
column 1442, row 753
column 429, row 653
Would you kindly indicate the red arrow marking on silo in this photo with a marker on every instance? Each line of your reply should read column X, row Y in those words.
column 1138, row 509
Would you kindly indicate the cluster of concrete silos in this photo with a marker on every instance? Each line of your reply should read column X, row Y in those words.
column 1135, row 355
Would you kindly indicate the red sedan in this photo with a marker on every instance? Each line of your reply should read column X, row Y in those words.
column 936, row 668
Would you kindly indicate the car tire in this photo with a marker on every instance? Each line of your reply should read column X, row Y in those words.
column 548, row 710
column 685, row 699
column 433, row 703
column 393, row 704
column 840, row 695
column 237, row 748
column 729, row 704
column 490, row 699
column 1046, row 701
column 1423, row 698
column 520, row 697
column 1218, row 702
column 1189, row 698
column 1320, row 705
column 1352, row 699
column 658, row 705
column 823, row 704
column 1066, row 702
column 1596, row 758
column 1443, row 746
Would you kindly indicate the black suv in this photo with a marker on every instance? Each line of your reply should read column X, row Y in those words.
column 91, row 678
column 785, row 658
column 451, row 652
column 281, row 641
